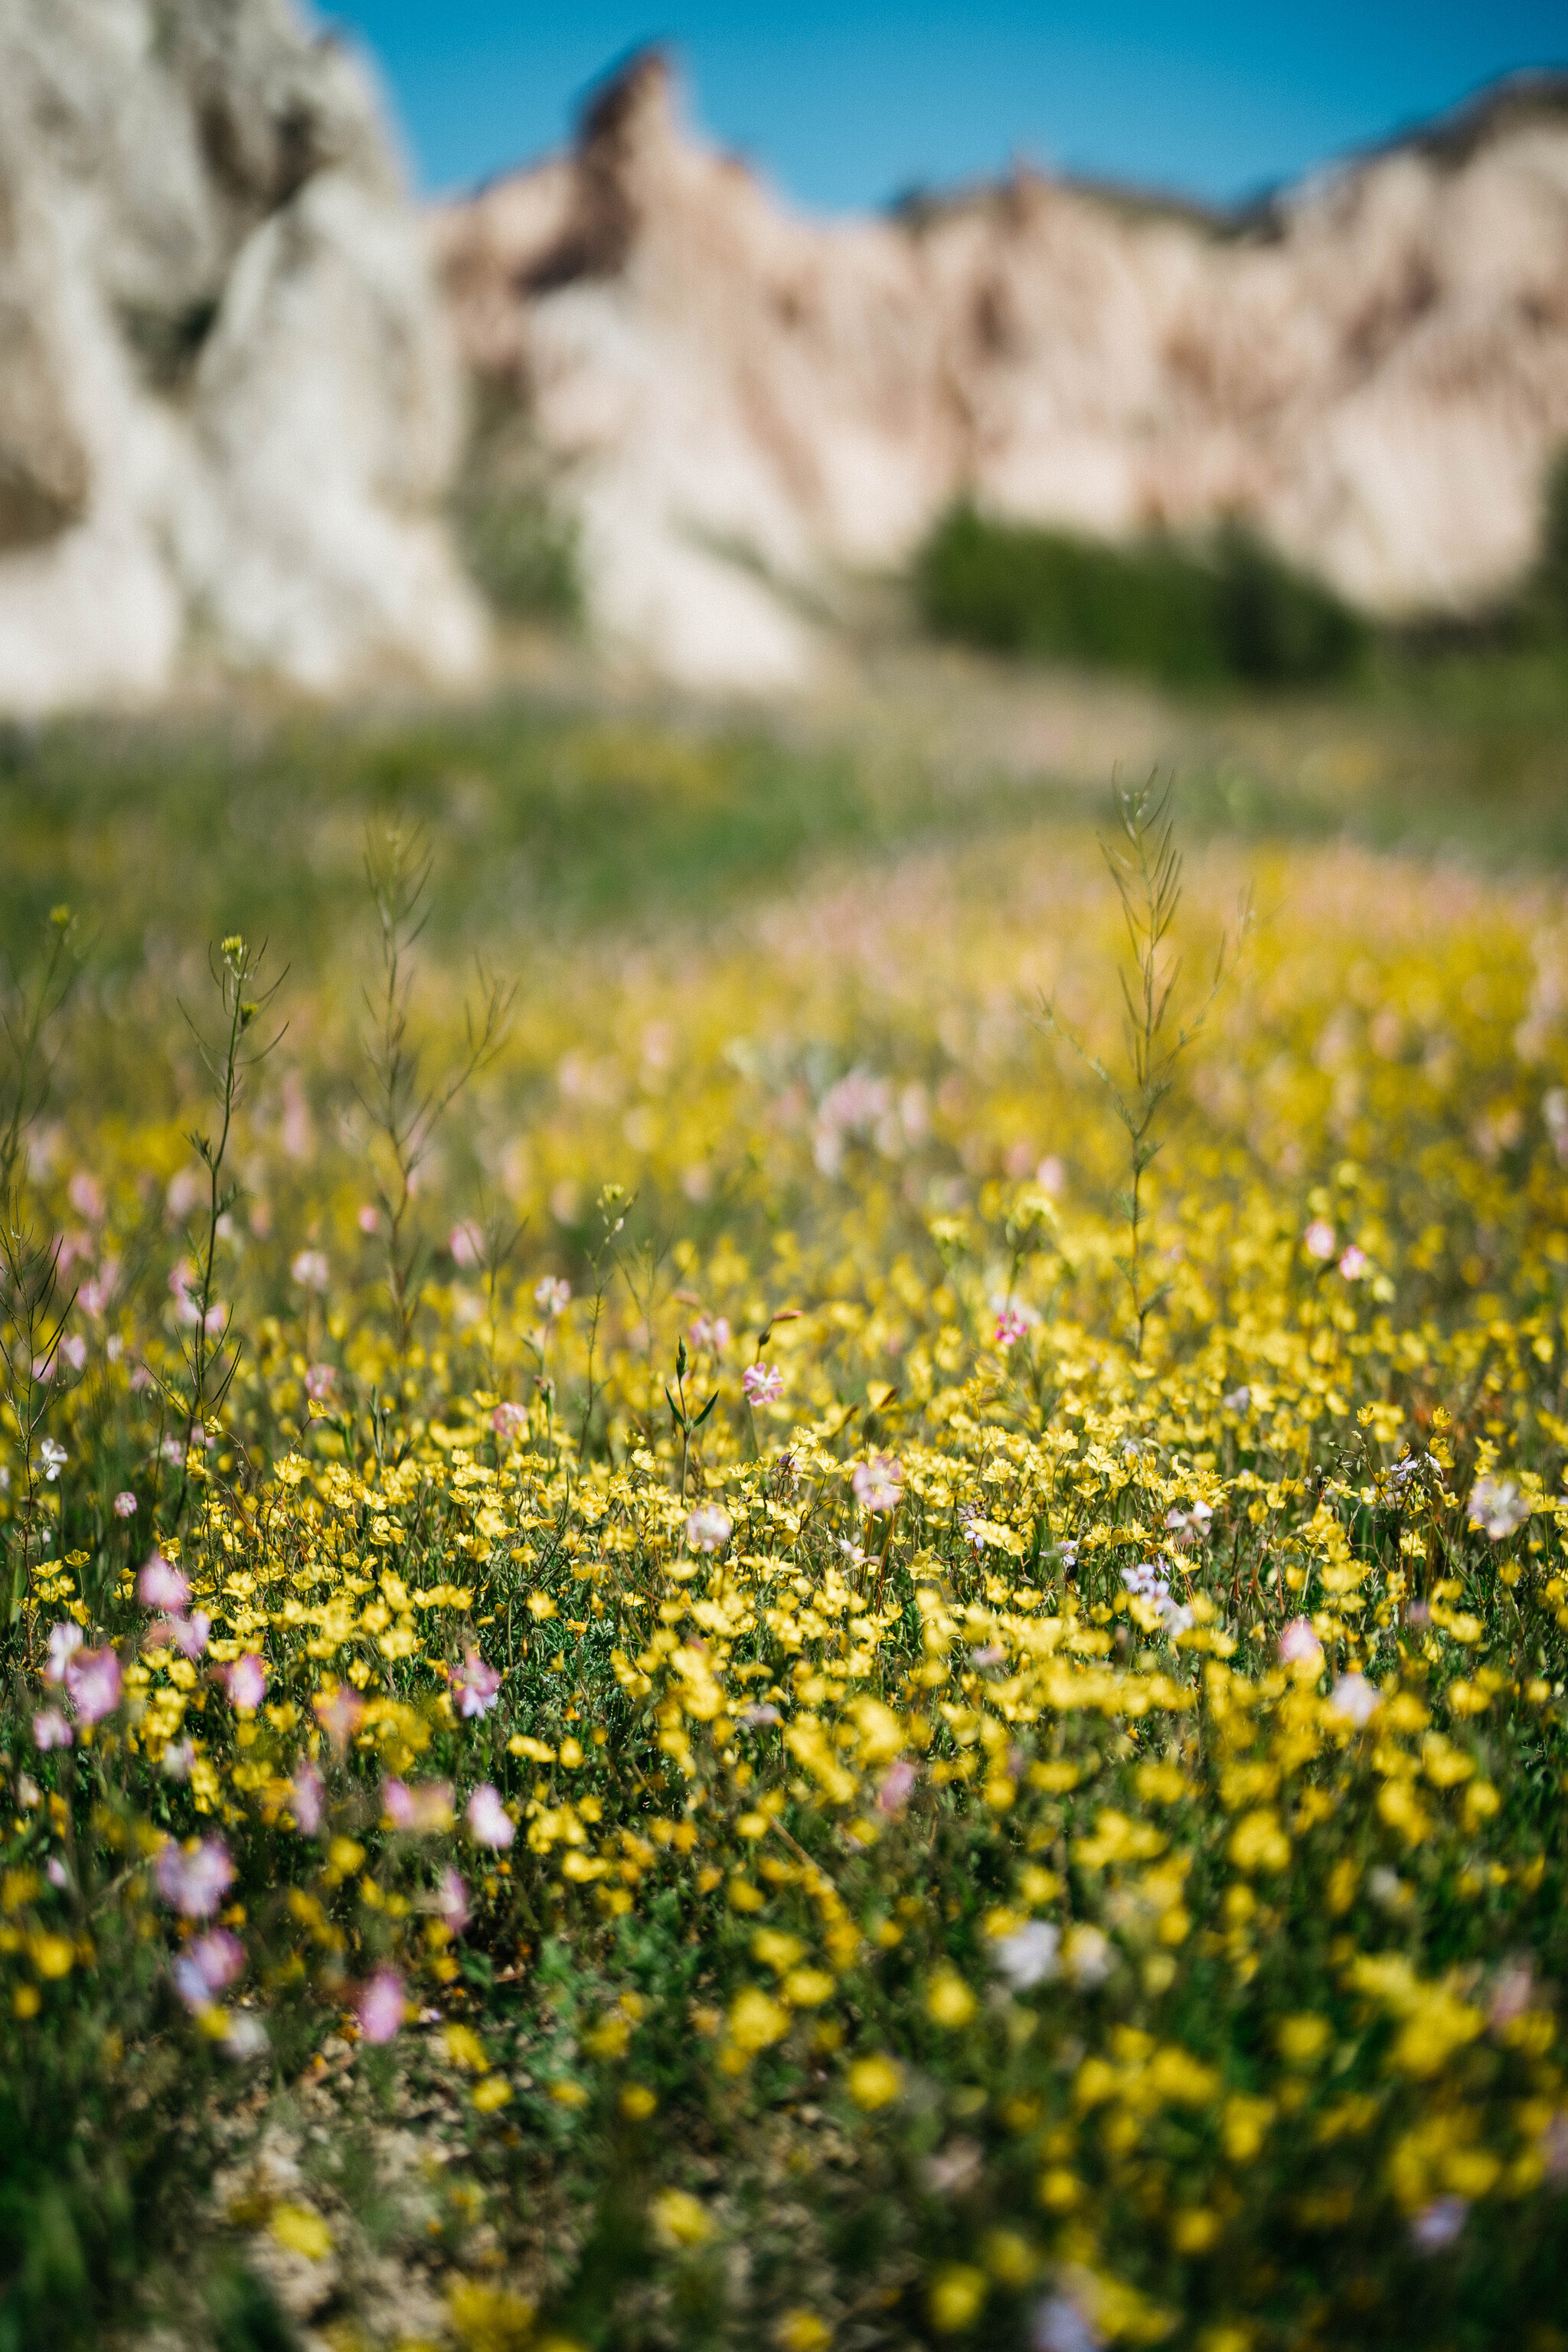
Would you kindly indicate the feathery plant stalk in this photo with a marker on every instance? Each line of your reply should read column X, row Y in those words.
column 403, row 1113
column 1146, row 867
column 210, row 1361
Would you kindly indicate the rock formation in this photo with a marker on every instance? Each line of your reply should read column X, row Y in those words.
column 1372, row 369
column 228, row 403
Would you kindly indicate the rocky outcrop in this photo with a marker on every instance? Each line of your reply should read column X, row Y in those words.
column 1372, row 369
column 228, row 400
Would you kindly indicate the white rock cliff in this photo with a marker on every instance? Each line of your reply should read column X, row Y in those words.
column 229, row 406
column 1372, row 370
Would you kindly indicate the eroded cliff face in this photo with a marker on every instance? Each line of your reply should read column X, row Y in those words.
column 1373, row 371
column 229, row 399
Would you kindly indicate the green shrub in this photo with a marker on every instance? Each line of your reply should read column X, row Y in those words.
column 521, row 552
column 1187, row 616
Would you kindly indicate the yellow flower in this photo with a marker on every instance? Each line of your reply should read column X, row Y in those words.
column 756, row 2020
column 679, row 2220
column 1304, row 2038
column 493, row 2092
column 956, row 2295
column 637, row 2101
column 301, row 2231
column 801, row 2331
column 874, row 2082
column 949, row 1999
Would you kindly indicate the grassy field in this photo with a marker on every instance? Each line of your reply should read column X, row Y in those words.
column 704, row 1643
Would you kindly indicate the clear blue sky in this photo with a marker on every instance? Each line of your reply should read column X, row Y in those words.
column 844, row 107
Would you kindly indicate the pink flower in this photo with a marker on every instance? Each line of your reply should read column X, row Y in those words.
column 1010, row 1326
column 1298, row 1645
column 452, row 1901
column 320, row 1382
column 381, row 2007
column 50, row 1729
column 124, row 1504
column 310, row 1269
column 177, row 1759
column 879, row 1483
column 86, row 1197
column 1319, row 1240
column 489, row 1823
column 205, row 1967
column 246, row 1683
column 189, row 1634
column 307, row 1795
column 509, row 1420
column 173, row 1452
column 368, row 1217
column 897, row 1786
column 1352, row 1266
column 191, row 1878
column 65, row 1640
column 764, row 1384
column 467, row 1244
column 94, row 1682
column 338, row 1713
column 552, row 1295
column 474, row 1686
column 711, row 1332
column 427, row 1806
column 160, row 1586
column 709, row 1527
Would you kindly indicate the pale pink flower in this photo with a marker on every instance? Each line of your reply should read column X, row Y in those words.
column 310, row 1269
column 879, row 1483
column 125, row 1504
column 173, row 1452
column 508, row 1421
column 552, row 1295
column 307, row 1796
column 474, row 1686
column 489, row 1823
column 381, row 2007
column 1353, row 1697
column 192, row 1879
column 50, row 1729
column 338, row 1713
column 1319, row 1240
column 1010, row 1326
column 711, row 1332
column 161, row 1585
column 1354, row 1263
column 45, row 1368
column 206, row 1966
column 94, row 1683
column 897, row 1786
column 425, row 1807
column 86, row 1196
column 73, row 1350
column 1299, row 1645
column 764, row 1384
column 368, row 1217
column 709, row 1527
column 467, row 1244
column 246, row 1682
column 189, row 1634
column 320, row 1382
column 65, row 1640
column 177, row 1759
column 452, row 1901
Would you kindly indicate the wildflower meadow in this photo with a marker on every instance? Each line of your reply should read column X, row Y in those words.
column 833, row 1617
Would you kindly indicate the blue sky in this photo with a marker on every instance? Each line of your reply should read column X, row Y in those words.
column 843, row 107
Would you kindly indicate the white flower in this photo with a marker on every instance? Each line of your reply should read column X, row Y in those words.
column 54, row 1458
column 1029, row 1955
column 489, row 1823
column 1497, row 1506
column 1089, row 1956
column 310, row 1269
column 1353, row 1697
